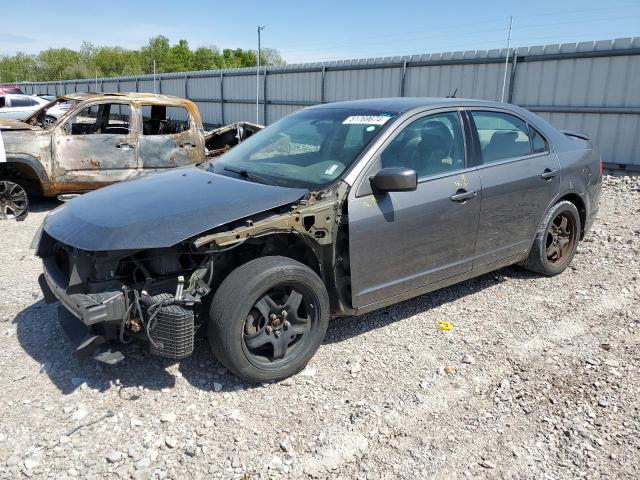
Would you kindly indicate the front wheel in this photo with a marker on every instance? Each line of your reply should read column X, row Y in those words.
column 556, row 240
column 14, row 202
column 268, row 318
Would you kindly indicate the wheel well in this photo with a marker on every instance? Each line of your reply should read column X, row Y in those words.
column 285, row 245
column 582, row 210
column 21, row 171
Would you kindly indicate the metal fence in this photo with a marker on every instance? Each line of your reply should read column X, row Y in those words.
column 589, row 86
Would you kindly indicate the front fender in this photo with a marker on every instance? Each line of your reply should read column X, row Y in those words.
column 31, row 162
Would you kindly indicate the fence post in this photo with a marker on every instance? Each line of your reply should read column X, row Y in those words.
column 221, row 97
column 512, row 77
column 137, row 84
column 186, row 86
column 324, row 71
column 404, row 76
column 160, row 84
column 264, row 96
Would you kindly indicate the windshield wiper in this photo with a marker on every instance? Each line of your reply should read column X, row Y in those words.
column 246, row 174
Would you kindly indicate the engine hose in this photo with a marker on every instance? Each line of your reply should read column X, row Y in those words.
column 125, row 319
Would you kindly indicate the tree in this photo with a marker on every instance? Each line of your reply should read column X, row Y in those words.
column 158, row 49
column 90, row 60
column 271, row 56
column 205, row 58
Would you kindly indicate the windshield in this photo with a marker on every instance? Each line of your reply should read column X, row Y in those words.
column 51, row 112
column 309, row 149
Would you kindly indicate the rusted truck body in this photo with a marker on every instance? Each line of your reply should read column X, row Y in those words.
column 102, row 139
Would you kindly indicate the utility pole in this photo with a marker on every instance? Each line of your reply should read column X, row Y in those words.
column 506, row 60
column 258, row 78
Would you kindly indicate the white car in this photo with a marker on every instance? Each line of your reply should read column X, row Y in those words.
column 20, row 107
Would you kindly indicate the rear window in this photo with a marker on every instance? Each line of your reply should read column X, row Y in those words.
column 12, row 90
column 164, row 120
column 502, row 136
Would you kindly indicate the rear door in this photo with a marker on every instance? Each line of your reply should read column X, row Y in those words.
column 520, row 176
column 96, row 146
column 401, row 241
column 169, row 138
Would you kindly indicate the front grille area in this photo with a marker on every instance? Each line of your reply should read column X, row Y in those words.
column 172, row 330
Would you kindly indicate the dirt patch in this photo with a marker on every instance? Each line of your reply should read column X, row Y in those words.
column 538, row 378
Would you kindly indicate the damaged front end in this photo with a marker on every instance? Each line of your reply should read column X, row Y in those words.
column 122, row 296
column 161, row 296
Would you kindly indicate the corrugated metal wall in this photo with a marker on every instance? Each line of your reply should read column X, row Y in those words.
column 589, row 86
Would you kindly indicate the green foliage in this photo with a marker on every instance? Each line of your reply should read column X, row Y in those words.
column 90, row 60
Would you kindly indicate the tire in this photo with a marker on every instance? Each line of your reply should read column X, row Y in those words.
column 548, row 255
column 255, row 316
column 14, row 200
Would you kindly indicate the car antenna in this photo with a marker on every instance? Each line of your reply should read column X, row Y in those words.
column 453, row 95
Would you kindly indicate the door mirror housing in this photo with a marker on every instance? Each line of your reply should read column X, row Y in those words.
column 394, row 179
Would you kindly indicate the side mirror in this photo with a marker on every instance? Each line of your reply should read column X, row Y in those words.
column 394, row 179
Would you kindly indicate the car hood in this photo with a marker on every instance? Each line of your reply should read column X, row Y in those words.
column 161, row 210
column 10, row 124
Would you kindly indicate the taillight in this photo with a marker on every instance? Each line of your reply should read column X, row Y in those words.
column 600, row 167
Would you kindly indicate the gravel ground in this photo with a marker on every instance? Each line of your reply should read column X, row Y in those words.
column 538, row 378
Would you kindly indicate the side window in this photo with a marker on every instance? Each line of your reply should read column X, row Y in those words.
column 2, row 102
column 22, row 102
column 538, row 142
column 430, row 145
column 102, row 119
column 164, row 120
column 502, row 136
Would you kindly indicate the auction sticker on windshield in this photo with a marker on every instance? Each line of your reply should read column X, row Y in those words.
column 366, row 120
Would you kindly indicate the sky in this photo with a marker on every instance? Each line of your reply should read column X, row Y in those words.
column 319, row 30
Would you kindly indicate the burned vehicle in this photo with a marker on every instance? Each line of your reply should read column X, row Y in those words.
column 335, row 210
column 98, row 139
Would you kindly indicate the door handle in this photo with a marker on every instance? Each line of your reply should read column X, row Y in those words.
column 125, row 146
column 462, row 196
column 183, row 145
column 549, row 174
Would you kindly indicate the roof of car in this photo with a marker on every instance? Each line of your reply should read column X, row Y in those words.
column 402, row 104
column 22, row 95
column 131, row 96
column 137, row 97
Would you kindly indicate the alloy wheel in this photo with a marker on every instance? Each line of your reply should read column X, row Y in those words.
column 560, row 238
column 280, row 325
column 13, row 200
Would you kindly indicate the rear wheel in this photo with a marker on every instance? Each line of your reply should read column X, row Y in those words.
column 14, row 202
column 556, row 240
column 268, row 318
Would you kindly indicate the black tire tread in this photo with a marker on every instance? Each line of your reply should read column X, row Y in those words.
column 226, row 307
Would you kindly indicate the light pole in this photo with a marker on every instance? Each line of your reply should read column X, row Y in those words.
column 506, row 60
column 258, row 78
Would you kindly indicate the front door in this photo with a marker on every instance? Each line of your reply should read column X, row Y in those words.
column 401, row 241
column 520, row 176
column 168, row 138
column 95, row 147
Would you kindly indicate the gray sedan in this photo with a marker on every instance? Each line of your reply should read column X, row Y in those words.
column 335, row 210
